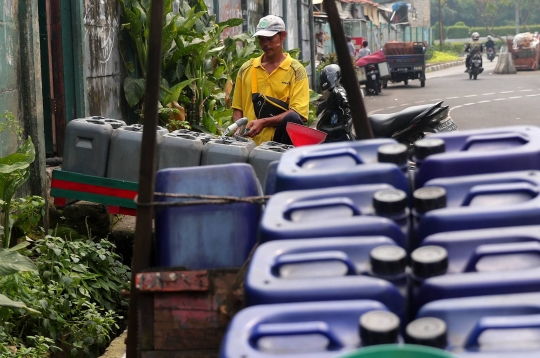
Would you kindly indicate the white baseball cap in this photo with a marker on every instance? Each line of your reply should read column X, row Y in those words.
column 269, row 26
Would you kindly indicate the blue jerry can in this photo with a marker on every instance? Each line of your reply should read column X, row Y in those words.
column 498, row 326
column 207, row 236
column 341, row 164
column 465, row 248
column 305, row 330
column 330, row 269
column 471, row 284
column 481, row 201
column 480, row 151
column 357, row 210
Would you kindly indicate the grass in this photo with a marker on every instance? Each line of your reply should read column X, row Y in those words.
column 441, row 57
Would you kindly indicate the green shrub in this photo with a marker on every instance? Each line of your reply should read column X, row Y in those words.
column 461, row 24
column 77, row 294
column 457, row 32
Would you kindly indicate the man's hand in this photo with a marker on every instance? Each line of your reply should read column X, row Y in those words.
column 254, row 127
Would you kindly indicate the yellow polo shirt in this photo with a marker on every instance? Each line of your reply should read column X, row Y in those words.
column 288, row 82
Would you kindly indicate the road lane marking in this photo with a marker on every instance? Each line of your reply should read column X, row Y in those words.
column 436, row 99
column 472, row 95
column 515, row 97
column 468, row 104
column 500, row 99
column 452, row 97
column 527, row 90
column 420, row 102
column 390, row 107
column 532, row 95
column 488, row 94
column 507, row 92
column 485, row 101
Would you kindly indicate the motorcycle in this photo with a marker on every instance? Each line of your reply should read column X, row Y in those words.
column 490, row 54
column 407, row 126
column 373, row 80
column 476, row 66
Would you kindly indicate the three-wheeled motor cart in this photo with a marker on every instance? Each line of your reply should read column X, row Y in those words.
column 406, row 62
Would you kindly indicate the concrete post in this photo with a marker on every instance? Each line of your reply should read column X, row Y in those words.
column 31, row 95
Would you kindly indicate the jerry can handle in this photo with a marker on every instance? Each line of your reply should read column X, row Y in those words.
column 328, row 154
column 501, row 249
column 492, row 138
column 296, row 329
column 503, row 322
column 314, row 257
column 321, row 203
column 504, row 188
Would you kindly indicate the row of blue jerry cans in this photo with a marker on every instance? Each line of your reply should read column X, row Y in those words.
column 373, row 268
column 106, row 147
column 488, row 298
column 315, row 330
column 452, row 154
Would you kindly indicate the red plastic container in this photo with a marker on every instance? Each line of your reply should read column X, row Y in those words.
column 302, row 135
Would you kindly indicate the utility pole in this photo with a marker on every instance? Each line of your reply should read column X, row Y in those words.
column 517, row 16
column 441, row 41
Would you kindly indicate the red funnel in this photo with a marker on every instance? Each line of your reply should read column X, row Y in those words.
column 302, row 135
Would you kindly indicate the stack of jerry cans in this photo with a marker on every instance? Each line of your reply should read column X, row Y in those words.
column 125, row 152
column 264, row 154
column 87, row 143
column 227, row 150
column 209, row 236
column 179, row 150
column 344, row 163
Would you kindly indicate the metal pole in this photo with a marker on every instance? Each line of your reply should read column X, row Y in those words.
column 361, row 124
column 313, row 44
column 143, row 229
column 517, row 16
column 441, row 28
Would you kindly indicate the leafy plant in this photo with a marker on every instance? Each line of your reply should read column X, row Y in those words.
column 78, row 296
column 198, row 66
column 14, row 171
column 12, row 262
column 27, row 213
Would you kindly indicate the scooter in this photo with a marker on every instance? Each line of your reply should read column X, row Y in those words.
column 490, row 54
column 373, row 84
column 407, row 126
column 476, row 66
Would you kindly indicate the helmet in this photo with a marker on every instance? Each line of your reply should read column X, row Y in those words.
column 489, row 37
column 330, row 76
column 475, row 36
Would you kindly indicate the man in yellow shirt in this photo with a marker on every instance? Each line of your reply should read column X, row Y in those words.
column 271, row 90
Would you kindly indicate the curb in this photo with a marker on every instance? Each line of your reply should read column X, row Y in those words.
column 442, row 66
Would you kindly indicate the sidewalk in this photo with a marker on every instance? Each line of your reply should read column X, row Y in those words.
column 441, row 66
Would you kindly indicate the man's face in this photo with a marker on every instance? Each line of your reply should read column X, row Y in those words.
column 272, row 45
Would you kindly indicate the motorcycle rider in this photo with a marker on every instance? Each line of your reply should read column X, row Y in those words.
column 490, row 44
column 472, row 48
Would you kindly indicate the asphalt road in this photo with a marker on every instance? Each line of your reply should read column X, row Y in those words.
column 490, row 101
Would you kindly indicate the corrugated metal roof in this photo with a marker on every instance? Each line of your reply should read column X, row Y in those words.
column 366, row 2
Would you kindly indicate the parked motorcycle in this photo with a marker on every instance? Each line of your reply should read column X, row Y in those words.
column 373, row 78
column 476, row 66
column 490, row 54
column 407, row 126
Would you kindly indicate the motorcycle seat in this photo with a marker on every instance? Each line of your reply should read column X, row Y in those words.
column 384, row 125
